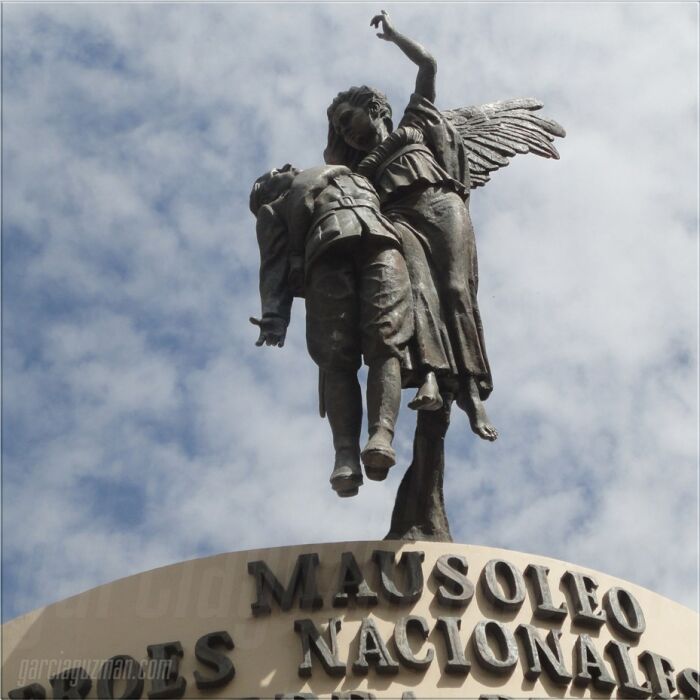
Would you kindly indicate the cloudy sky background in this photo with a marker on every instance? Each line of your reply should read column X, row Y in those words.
column 141, row 424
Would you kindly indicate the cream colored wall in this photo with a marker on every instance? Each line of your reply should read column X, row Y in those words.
column 187, row 600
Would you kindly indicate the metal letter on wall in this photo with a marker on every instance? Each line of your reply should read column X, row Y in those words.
column 351, row 581
column 372, row 649
column 73, row 684
column 624, row 613
column 166, row 681
column 544, row 607
column 205, row 651
column 659, row 671
column 582, row 591
column 541, row 653
column 509, row 600
column 303, row 579
column 411, row 564
column 455, row 590
column 457, row 663
column 589, row 665
column 312, row 639
column 505, row 641
column 406, row 655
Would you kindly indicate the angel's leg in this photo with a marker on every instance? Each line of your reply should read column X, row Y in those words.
column 470, row 402
column 427, row 397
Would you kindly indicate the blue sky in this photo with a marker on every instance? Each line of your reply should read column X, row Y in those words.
column 141, row 424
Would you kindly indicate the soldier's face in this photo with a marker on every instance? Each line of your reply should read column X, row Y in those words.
column 357, row 127
column 285, row 174
column 280, row 181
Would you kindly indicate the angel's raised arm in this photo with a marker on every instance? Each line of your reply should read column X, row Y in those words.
column 427, row 66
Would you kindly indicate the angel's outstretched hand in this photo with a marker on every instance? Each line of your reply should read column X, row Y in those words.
column 388, row 32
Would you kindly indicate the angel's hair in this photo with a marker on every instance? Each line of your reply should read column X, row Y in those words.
column 364, row 96
column 371, row 100
column 260, row 194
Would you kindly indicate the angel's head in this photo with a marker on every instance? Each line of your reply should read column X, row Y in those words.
column 358, row 120
column 271, row 186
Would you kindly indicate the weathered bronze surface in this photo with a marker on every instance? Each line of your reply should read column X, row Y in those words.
column 379, row 243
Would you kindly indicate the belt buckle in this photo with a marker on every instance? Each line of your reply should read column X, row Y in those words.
column 347, row 201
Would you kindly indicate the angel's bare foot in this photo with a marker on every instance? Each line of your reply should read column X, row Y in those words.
column 428, row 396
column 481, row 424
column 470, row 402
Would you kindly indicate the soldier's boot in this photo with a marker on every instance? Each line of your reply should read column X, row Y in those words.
column 343, row 404
column 383, row 401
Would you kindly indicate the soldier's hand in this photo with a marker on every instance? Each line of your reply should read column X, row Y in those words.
column 273, row 331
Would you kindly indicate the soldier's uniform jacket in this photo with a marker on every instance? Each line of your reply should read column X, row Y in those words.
column 357, row 288
column 345, row 209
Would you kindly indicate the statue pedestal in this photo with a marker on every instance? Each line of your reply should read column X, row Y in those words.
column 419, row 624
column 419, row 511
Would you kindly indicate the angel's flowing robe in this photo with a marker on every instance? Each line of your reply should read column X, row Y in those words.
column 422, row 176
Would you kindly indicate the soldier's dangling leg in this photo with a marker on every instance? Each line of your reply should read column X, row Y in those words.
column 342, row 399
column 383, row 402
column 333, row 341
column 386, row 320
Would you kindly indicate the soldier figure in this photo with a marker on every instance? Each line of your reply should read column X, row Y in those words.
column 322, row 236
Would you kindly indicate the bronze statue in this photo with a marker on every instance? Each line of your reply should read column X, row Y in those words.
column 422, row 174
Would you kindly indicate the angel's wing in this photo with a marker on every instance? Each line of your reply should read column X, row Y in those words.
column 495, row 132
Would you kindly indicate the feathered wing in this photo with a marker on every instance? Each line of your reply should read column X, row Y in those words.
column 495, row 132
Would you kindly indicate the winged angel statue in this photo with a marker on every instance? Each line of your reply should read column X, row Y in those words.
column 405, row 190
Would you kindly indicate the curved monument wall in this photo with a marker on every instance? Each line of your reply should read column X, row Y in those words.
column 357, row 620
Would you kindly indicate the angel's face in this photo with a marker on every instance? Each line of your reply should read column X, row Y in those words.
column 358, row 128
